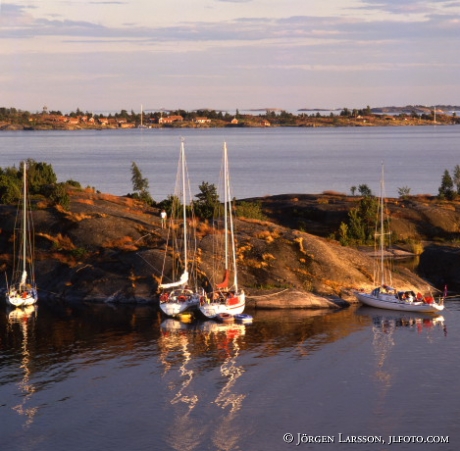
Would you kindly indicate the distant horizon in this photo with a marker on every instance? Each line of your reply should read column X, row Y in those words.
column 451, row 107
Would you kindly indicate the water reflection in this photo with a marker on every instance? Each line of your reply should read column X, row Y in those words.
column 25, row 319
column 174, row 344
column 200, row 359
column 227, row 341
column 385, row 324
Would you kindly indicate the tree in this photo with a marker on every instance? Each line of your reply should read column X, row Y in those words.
column 57, row 193
column 353, row 190
column 39, row 176
column 361, row 224
column 446, row 190
column 456, row 179
column 404, row 192
column 364, row 190
column 10, row 190
column 140, row 184
column 208, row 200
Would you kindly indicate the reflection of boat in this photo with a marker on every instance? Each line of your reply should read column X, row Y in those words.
column 178, row 296
column 394, row 319
column 23, row 290
column 200, row 362
column 385, row 327
column 385, row 296
column 230, row 329
column 227, row 298
column 24, row 317
column 227, row 335
column 174, row 343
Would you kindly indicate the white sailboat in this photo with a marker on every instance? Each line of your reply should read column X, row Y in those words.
column 387, row 297
column 227, row 299
column 23, row 290
column 179, row 295
column 141, row 125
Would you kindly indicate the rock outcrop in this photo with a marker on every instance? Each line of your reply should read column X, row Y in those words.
column 109, row 248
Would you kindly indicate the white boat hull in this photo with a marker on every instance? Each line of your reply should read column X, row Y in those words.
column 390, row 302
column 18, row 300
column 175, row 307
column 213, row 309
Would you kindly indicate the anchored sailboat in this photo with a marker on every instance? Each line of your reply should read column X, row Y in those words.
column 387, row 297
column 23, row 291
column 180, row 294
column 227, row 298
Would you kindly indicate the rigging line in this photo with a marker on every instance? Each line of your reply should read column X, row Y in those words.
column 148, row 263
column 267, row 295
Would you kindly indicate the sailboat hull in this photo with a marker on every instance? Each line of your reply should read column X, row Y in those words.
column 389, row 302
column 21, row 300
column 174, row 308
column 232, row 306
column 386, row 297
column 22, row 292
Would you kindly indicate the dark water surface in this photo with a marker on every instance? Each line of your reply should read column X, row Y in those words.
column 100, row 377
column 262, row 161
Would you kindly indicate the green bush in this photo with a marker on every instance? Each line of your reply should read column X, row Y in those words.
column 250, row 210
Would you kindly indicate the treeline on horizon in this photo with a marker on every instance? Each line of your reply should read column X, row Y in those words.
column 281, row 117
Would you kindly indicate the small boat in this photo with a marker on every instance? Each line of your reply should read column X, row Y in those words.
column 243, row 318
column 178, row 296
column 23, row 290
column 387, row 297
column 185, row 317
column 225, row 317
column 227, row 297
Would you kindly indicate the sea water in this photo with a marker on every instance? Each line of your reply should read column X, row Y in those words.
column 263, row 161
column 100, row 377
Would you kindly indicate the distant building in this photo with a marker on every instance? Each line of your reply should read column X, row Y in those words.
column 202, row 120
column 170, row 119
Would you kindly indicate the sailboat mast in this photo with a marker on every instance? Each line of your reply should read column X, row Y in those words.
column 24, row 218
column 226, row 205
column 184, row 209
column 382, row 236
column 228, row 210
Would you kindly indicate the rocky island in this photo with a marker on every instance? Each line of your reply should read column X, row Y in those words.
column 108, row 248
column 411, row 115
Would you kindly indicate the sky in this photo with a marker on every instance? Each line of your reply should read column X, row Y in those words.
column 109, row 55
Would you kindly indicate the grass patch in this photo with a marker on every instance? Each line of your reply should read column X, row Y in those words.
column 126, row 243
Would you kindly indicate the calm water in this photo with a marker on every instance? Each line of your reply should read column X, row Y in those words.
column 263, row 161
column 96, row 377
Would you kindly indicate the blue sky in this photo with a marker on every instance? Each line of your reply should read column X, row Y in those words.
column 108, row 55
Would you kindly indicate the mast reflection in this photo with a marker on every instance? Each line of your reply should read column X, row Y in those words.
column 25, row 318
column 175, row 341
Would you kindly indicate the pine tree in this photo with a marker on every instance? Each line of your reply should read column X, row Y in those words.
column 446, row 190
column 457, row 178
column 140, row 184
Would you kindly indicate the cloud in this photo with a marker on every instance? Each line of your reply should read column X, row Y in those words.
column 409, row 7
column 221, row 56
